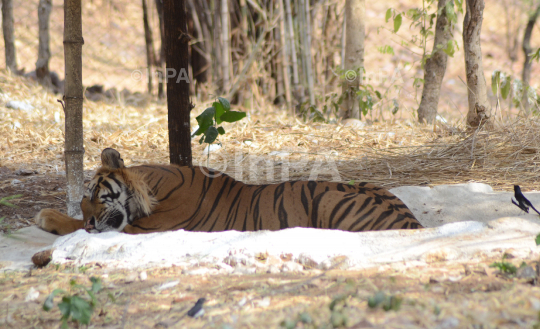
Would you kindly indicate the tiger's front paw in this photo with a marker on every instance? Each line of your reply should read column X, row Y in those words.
column 55, row 222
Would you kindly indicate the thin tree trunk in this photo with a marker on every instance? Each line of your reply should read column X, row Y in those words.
column 177, row 61
column 295, row 81
column 435, row 67
column 44, row 54
column 284, row 55
column 9, row 37
column 355, row 32
column 307, row 50
column 159, row 64
column 74, row 149
column 225, row 60
column 476, row 82
column 527, row 65
column 149, row 40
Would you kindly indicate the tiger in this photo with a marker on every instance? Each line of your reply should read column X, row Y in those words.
column 157, row 198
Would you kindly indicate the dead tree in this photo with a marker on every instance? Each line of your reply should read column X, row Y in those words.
column 149, row 41
column 435, row 66
column 161, row 58
column 476, row 82
column 527, row 64
column 226, row 43
column 44, row 54
column 74, row 150
column 355, row 32
column 177, row 61
column 9, row 37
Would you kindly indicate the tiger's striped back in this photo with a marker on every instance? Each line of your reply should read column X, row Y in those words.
column 197, row 202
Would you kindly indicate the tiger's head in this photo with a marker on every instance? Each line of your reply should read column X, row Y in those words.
column 115, row 197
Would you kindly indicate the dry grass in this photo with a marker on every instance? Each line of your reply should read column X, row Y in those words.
column 388, row 153
column 440, row 295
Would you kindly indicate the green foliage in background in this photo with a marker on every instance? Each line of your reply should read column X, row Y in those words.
column 75, row 306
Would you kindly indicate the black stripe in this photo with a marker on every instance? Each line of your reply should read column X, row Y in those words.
column 304, row 200
column 336, row 209
column 344, row 215
column 312, row 185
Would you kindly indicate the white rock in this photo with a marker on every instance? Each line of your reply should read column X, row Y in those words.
column 291, row 267
column 265, row 302
column 32, row 295
column 168, row 285
column 143, row 276
column 211, row 148
column 18, row 105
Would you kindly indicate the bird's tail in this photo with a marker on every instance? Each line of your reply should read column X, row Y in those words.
column 535, row 209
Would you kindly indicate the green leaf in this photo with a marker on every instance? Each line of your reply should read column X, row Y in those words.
column 233, row 116
column 537, row 240
column 81, row 310
column 450, row 50
column 65, row 306
column 225, row 103
column 49, row 302
column 505, row 86
column 201, row 140
column 220, row 130
column 219, row 111
column 205, row 120
column 517, row 92
column 388, row 14
column 211, row 135
column 397, row 23
column 495, row 81
column 96, row 284
column 395, row 109
column 378, row 298
column 351, row 182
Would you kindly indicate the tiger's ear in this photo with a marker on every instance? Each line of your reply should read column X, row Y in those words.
column 110, row 158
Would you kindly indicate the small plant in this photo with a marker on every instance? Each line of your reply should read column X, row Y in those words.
column 4, row 200
column 208, row 121
column 505, row 267
column 388, row 303
column 76, row 307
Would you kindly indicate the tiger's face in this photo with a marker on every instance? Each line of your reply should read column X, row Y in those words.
column 113, row 199
column 106, row 205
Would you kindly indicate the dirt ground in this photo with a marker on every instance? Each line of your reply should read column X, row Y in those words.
column 37, row 190
column 441, row 295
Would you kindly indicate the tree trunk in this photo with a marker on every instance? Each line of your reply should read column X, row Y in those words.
column 295, row 81
column 9, row 37
column 177, row 62
column 476, row 82
column 435, row 67
column 159, row 63
column 355, row 32
column 284, row 55
column 44, row 54
column 225, row 60
column 527, row 65
column 306, row 31
column 74, row 149
column 150, row 56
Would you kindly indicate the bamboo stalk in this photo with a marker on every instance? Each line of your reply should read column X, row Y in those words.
column 294, row 58
column 284, row 55
column 226, row 44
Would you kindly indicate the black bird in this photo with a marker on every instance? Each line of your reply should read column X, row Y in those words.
column 197, row 310
column 522, row 201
